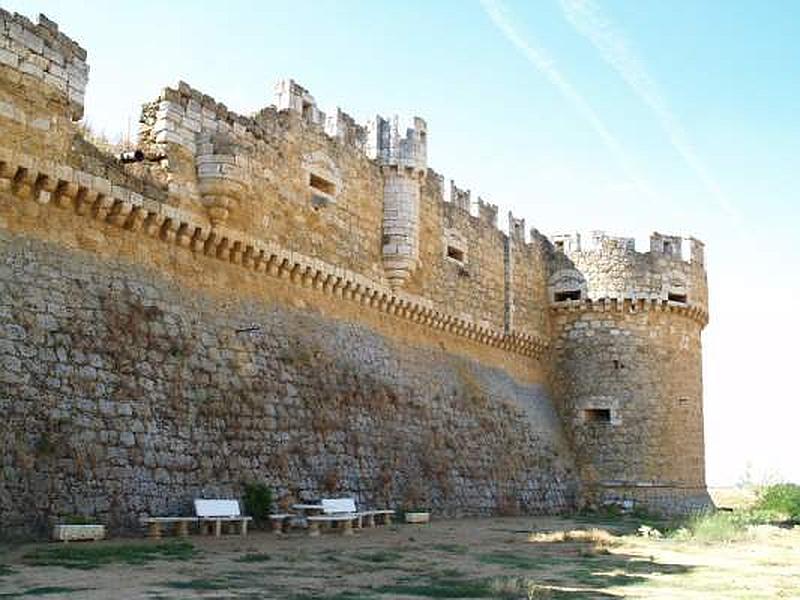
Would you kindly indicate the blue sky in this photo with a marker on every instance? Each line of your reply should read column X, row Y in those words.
column 680, row 116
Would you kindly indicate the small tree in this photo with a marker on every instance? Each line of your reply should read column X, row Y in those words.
column 258, row 503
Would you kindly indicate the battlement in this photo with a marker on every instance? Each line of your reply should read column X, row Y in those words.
column 398, row 142
column 599, row 242
column 610, row 268
column 41, row 51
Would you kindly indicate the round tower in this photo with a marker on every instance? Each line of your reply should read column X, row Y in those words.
column 627, row 372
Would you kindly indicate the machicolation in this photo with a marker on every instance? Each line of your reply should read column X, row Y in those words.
column 294, row 298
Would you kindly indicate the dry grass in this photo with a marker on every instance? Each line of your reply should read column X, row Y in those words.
column 598, row 537
column 468, row 558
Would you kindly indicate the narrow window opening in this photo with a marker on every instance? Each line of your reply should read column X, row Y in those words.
column 683, row 400
column 677, row 298
column 667, row 247
column 323, row 185
column 618, row 364
column 568, row 295
column 597, row 415
column 455, row 254
column 306, row 111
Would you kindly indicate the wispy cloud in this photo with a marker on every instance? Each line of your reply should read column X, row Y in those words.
column 538, row 57
column 589, row 20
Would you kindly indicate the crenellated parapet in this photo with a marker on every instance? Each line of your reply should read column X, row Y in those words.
column 291, row 96
column 42, row 52
column 602, row 268
column 399, row 143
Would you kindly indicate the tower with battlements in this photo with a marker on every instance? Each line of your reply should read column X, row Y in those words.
column 627, row 366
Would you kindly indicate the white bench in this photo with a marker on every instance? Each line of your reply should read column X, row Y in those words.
column 215, row 512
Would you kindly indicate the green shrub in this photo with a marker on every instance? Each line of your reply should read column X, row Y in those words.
column 782, row 498
column 723, row 526
column 258, row 502
column 79, row 520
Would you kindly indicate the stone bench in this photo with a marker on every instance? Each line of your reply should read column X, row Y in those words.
column 383, row 517
column 347, row 520
column 155, row 525
column 281, row 522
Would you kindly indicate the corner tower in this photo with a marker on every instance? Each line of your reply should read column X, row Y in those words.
column 401, row 150
column 627, row 372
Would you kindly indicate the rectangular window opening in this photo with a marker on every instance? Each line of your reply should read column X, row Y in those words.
column 455, row 254
column 568, row 295
column 559, row 246
column 597, row 415
column 667, row 248
column 322, row 185
column 677, row 298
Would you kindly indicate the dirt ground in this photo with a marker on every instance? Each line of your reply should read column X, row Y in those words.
column 470, row 558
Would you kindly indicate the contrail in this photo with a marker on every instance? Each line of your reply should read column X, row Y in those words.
column 587, row 18
column 499, row 16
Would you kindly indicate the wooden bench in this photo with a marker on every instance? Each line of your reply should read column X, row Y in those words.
column 155, row 525
column 212, row 513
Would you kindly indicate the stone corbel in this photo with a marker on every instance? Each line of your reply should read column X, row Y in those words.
column 220, row 185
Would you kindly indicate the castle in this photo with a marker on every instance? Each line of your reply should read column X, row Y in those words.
column 298, row 299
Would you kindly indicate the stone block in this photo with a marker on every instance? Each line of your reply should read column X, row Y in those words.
column 8, row 58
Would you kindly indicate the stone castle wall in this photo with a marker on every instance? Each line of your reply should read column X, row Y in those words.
column 126, row 395
column 295, row 298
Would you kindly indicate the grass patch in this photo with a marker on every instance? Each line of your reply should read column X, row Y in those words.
column 496, row 587
column 48, row 590
column 516, row 561
column 92, row 557
column 198, row 584
column 715, row 527
column 451, row 548
column 441, row 589
column 379, row 557
column 254, row 557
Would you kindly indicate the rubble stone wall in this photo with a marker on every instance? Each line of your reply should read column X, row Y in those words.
column 124, row 394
